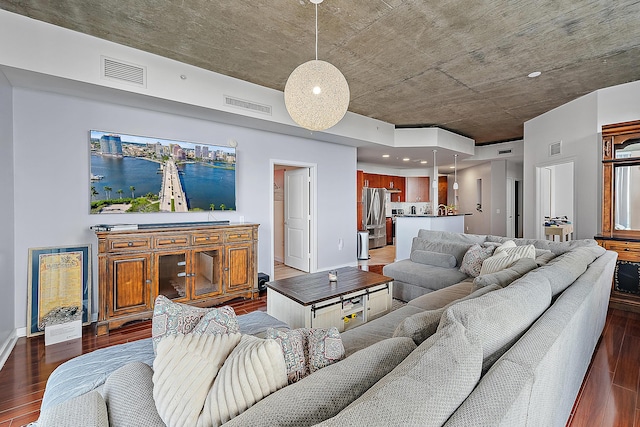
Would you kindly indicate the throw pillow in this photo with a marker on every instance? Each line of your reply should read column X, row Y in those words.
column 171, row 318
column 184, row 371
column 472, row 261
column 433, row 258
column 295, row 349
column 497, row 262
column 254, row 369
column 325, row 348
column 523, row 251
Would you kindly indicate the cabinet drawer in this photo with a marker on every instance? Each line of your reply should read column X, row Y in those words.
column 627, row 251
column 239, row 236
column 205, row 239
column 171, row 241
column 130, row 244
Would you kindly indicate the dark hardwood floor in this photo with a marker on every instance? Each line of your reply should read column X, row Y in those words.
column 24, row 375
column 609, row 394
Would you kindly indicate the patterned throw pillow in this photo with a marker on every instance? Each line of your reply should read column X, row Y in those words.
column 171, row 318
column 295, row 349
column 472, row 261
column 307, row 350
column 325, row 348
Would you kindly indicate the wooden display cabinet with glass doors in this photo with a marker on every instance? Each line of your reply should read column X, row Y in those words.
column 620, row 229
column 201, row 266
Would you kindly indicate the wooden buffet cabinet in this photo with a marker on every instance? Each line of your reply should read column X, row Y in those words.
column 620, row 232
column 201, row 265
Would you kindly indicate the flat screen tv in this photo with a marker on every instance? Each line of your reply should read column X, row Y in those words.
column 144, row 174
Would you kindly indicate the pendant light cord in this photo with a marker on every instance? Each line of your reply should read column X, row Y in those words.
column 316, row 31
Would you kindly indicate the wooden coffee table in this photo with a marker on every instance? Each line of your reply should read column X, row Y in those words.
column 311, row 301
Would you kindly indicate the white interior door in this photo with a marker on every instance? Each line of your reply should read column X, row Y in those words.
column 510, row 206
column 296, row 218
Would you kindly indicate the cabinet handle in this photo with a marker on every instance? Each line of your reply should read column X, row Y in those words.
column 182, row 274
column 129, row 243
column 626, row 249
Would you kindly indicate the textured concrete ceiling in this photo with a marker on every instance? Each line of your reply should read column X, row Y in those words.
column 458, row 64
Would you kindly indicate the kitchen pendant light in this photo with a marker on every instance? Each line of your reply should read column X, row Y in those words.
column 455, row 171
column 316, row 94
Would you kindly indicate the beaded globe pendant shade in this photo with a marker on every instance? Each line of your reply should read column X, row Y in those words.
column 316, row 94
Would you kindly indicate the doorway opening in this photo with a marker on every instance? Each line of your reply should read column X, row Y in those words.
column 555, row 191
column 293, row 224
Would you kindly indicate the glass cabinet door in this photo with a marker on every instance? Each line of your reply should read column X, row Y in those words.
column 207, row 272
column 172, row 275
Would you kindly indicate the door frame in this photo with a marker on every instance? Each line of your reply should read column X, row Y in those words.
column 539, row 215
column 313, row 209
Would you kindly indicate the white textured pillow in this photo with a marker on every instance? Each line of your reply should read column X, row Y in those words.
column 504, row 257
column 253, row 370
column 497, row 262
column 184, row 372
column 524, row 251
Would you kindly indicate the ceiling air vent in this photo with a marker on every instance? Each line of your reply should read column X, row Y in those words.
column 555, row 148
column 114, row 69
column 504, row 151
column 247, row 105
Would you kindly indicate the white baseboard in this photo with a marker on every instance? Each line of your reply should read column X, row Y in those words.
column 7, row 348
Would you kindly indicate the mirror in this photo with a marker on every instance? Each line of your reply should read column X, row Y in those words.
column 627, row 207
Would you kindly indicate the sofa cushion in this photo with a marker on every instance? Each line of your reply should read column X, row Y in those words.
column 433, row 258
column 500, row 317
column 376, row 330
column 426, row 276
column 563, row 270
column 457, row 249
column 449, row 236
column 425, row 388
column 441, row 297
column 170, row 318
column 473, row 259
column 87, row 410
column 128, row 393
column 507, row 275
column 544, row 256
column 557, row 248
column 328, row 391
column 421, row 326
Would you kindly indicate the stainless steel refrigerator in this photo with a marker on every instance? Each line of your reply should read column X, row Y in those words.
column 373, row 216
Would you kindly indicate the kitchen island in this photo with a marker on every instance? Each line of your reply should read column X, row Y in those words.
column 407, row 227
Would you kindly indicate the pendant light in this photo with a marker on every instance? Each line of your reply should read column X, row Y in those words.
column 316, row 94
column 455, row 171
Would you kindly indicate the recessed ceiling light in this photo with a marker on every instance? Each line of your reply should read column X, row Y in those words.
column 385, row 155
column 406, row 159
column 534, row 74
column 424, row 162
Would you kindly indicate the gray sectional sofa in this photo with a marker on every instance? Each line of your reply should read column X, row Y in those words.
column 509, row 353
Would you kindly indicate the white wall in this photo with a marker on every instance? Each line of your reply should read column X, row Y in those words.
column 7, row 302
column 575, row 125
column 578, row 124
column 52, row 167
